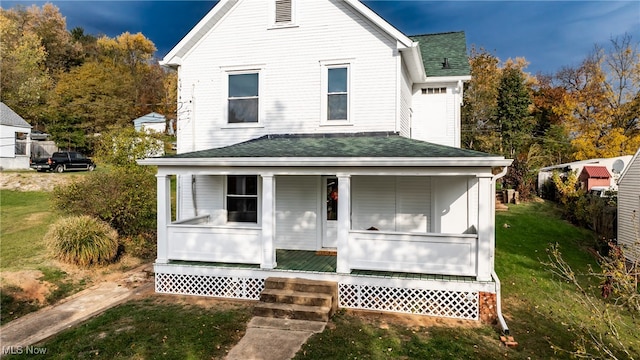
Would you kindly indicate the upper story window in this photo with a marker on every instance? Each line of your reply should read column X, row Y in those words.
column 431, row 90
column 243, row 98
column 338, row 93
column 282, row 13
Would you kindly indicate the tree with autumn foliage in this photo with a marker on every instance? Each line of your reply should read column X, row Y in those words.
column 600, row 107
column 75, row 85
column 479, row 127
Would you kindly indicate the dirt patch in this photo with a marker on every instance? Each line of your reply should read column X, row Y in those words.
column 26, row 286
column 413, row 322
column 34, row 181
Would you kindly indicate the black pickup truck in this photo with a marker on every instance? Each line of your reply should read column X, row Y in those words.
column 63, row 161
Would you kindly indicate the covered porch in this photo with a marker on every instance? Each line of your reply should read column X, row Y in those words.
column 404, row 206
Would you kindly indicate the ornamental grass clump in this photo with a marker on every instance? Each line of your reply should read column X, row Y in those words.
column 83, row 240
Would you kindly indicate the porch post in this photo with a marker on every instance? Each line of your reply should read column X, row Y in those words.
column 163, row 217
column 268, row 222
column 486, row 228
column 344, row 223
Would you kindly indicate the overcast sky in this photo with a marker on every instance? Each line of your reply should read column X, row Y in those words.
column 549, row 34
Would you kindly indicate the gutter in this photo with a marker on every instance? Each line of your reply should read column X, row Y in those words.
column 503, row 323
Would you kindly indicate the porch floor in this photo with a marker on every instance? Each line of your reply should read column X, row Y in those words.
column 310, row 261
column 300, row 260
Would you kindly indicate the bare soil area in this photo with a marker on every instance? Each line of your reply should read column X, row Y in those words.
column 34, row 181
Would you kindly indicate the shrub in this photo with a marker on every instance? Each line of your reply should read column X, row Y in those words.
column 125, row 198
column 142, row 246
column 83, row 240
column 122, row 147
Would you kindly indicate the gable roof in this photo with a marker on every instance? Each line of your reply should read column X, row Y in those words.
column 633, row 160
column 357, row 149
column 10, row 118
column 435, row 48
column 223, row 7
column 596, row 172
column 152, row 117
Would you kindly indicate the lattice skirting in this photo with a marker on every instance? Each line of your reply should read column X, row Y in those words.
column 443, row 303
column 217, row 286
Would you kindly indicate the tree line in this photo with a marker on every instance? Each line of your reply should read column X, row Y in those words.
column 75, row 85
column 591, row 110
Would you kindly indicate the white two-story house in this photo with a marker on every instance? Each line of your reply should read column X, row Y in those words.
column 315, row 140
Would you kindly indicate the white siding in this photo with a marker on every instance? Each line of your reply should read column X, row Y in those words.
column 629, row 210
column 405, row 104
column 209, row 195
column 297, row 210
column 391, row 203
column 291, row 73
column 450, row 204
column 435, row 116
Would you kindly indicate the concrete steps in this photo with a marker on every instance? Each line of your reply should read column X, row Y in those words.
column 299, row 299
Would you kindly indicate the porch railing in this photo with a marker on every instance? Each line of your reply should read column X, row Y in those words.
column 195, row 239
column 446, row 254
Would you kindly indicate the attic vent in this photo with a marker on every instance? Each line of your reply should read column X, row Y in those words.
column 283, row 11
column 445, row 64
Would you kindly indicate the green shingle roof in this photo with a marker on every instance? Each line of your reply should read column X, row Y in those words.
column 434, row 48
column 367, row 145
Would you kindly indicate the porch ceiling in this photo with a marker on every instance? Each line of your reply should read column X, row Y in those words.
column 365, row 149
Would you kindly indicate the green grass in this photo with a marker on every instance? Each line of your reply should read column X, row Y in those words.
column 348, row 336
column 149, row 329
column 534, row 302
column 24, row 219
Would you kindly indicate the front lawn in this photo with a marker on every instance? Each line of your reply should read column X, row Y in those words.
column 151, row 329
column 537, row 307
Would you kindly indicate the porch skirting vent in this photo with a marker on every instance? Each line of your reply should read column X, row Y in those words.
column 442, row 303
column 203, row 285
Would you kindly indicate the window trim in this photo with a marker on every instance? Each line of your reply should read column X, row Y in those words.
column 324, row 91
column 258, row 198
column 240, row 70
column 280, row 25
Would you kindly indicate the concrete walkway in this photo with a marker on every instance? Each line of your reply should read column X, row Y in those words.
column 37, row 326
column 274, row 339
column 265, row 338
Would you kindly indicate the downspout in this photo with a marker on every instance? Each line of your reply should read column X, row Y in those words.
column 193, row 195
column 503, row 323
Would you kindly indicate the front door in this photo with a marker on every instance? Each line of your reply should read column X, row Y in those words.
column 330, row 212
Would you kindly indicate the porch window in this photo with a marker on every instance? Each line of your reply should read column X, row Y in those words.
column 242, row 199
column 243, row 100
column 337, row 93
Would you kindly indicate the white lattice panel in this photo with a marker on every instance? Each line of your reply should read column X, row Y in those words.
column 453, row 304
column 217, row 286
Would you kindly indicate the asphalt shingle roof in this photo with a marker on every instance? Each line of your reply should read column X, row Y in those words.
column 434, row 48
column 366, row 145
column 10, row 118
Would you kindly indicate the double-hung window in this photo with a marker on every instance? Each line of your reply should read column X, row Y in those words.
column 338, row 93
column 243, row 98
column 242, row 198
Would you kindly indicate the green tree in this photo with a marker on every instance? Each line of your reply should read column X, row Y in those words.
column 123, row 147
column 513, row 112
column 95, row 97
